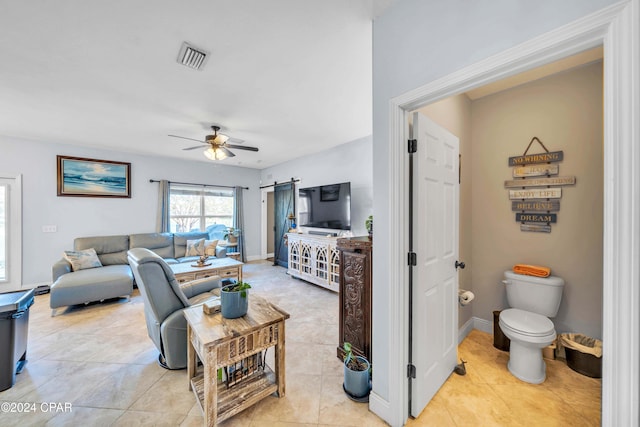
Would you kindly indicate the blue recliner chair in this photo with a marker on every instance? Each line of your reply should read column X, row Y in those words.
column 164, row 301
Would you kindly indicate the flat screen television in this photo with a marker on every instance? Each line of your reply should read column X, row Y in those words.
column 325, row 206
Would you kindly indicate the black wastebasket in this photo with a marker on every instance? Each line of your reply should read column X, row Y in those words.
column 500, row 340
column 583, row 353
column 14, row 329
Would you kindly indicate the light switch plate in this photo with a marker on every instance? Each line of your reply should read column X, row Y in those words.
column 49, row 228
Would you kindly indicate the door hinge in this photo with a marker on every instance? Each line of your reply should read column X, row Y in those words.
column 411, row 371
column 413, row 258
column 413, row 145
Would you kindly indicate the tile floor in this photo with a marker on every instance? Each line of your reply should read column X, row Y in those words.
column 99, row 360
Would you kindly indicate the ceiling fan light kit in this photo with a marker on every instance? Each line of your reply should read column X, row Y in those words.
column 214, row 154
column 218, row 147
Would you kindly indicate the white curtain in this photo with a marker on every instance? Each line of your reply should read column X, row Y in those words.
column 238, row 220
column 162, row 219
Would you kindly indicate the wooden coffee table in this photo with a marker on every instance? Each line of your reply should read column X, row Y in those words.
column 223, row 267
column 219, row 343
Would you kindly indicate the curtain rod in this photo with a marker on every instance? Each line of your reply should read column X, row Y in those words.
column 202, row 185
column 283, row 182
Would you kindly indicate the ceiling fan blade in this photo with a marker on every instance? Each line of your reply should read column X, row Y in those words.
column 227, row 152
column 235, row 140
column 184, row 137
column 241, row 147
column 193, row 148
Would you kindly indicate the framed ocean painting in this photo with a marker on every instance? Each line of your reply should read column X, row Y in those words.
column 81, row 177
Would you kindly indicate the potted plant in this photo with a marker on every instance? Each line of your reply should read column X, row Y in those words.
column 357, row 371
column 369, row 225
column 234, row 300
column 231, row 234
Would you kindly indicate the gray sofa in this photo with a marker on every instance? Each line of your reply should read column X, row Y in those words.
column 115, row 279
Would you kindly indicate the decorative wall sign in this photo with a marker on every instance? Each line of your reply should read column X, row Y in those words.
column 541, row 182
column 533, row 206
column 536, row 227
column 547, row 218
column 535, row 170
column 536, row 205
column 545, row 193
column 556, row 156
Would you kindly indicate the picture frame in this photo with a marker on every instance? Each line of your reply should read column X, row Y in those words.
column 330, row 193
column 82, row 177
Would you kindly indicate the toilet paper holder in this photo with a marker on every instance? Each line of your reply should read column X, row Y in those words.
column 465, row 297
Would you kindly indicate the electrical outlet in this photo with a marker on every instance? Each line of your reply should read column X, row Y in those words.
column 49, row 228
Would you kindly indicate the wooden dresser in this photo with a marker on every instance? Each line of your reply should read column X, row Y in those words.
column 355, row 295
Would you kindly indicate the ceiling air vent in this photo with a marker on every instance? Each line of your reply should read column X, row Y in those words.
column 192, row 57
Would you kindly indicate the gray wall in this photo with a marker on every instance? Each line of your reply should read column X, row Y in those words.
column 414, row 43
column 90, row 216
column 567, row 109
column 565, row 112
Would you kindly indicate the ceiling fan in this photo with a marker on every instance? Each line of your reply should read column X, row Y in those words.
column 218, row 146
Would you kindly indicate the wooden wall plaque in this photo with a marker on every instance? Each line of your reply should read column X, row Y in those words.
column 535, row 205
column 540, row 182
column 546, row 193
column 552, row 157
column 540, row 228
column 535, row 170
column 547, row 218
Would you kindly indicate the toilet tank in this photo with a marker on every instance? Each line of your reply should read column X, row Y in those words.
column 540, row 295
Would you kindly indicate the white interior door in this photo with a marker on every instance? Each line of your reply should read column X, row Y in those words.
column 10, row 234
column 435, row 284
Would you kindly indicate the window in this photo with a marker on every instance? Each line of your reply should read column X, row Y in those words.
column 194, row 208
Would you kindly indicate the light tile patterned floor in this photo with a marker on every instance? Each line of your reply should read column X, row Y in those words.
column 99, row 359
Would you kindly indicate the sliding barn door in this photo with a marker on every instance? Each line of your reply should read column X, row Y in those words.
column 283, row 201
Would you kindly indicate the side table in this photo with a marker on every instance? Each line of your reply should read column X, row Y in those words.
column 219, row 343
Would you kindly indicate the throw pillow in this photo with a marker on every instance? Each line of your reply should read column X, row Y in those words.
column 195, row 247
column 84, row 259
column 210, row 247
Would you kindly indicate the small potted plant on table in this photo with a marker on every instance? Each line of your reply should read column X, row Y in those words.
column 357, row 371
column 231, row 235
column 234, row 300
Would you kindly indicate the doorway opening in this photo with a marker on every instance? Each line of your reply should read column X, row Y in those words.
column 10, row 233
column 565, row 110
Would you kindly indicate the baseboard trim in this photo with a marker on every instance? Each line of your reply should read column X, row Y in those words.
column 474, row 323
column 483, row 325
column 380, row 407
column 465, row 330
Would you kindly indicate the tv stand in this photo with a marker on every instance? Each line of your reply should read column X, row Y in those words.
column 314, row 258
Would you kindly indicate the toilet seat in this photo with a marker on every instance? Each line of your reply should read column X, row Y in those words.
column 525, row 323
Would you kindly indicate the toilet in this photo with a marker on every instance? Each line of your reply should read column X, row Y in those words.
column 532, row 300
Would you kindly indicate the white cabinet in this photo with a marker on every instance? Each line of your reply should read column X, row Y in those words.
column 315, row 259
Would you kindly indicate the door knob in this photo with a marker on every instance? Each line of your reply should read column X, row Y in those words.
column 459, row 264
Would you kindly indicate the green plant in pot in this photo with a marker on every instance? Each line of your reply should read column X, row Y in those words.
column 231, row 235
column 369, row 225
column 357, row 372
column 234, row 299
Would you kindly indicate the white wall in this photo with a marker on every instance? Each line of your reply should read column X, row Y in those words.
column 414, row 43
column 89, row 216
column 347, row 162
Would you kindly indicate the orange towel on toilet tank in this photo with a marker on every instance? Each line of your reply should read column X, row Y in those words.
column 532, row 270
